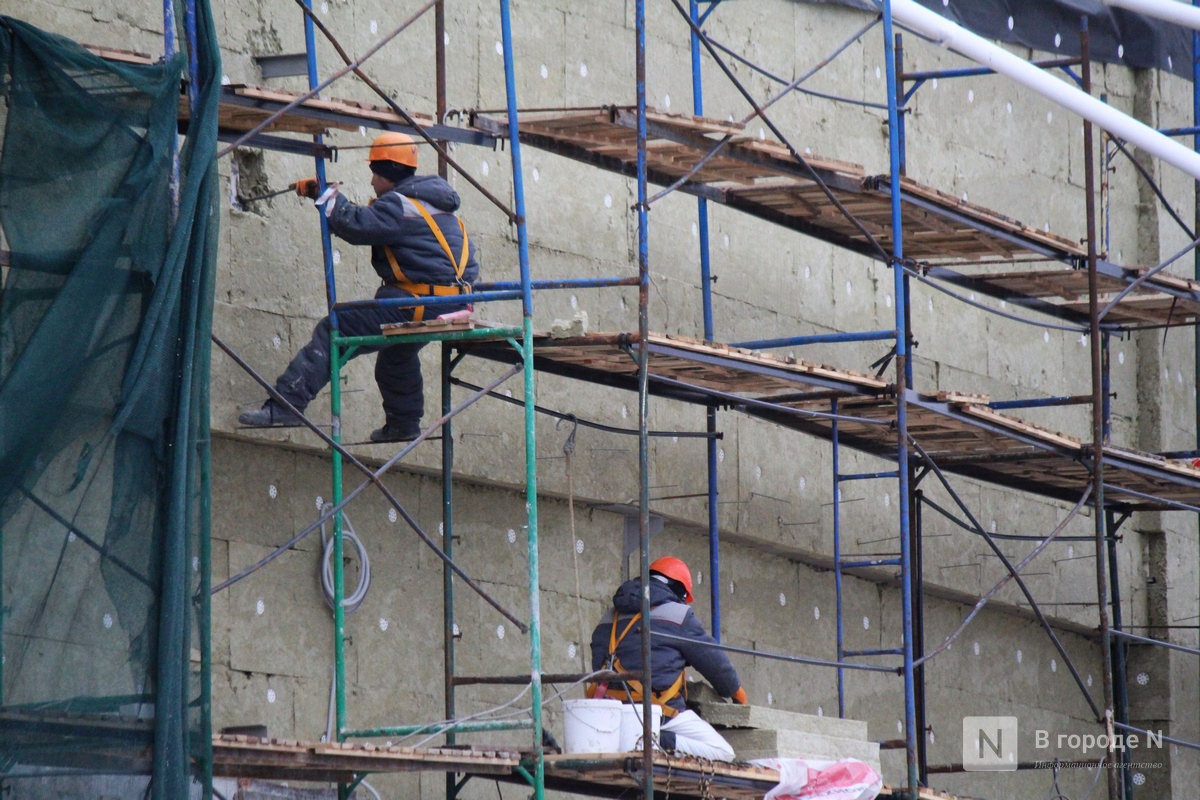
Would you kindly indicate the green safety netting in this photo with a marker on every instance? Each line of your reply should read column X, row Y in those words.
column 105, row 315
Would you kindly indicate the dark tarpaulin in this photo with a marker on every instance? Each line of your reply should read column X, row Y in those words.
column 105, row 314
column 1052, row 26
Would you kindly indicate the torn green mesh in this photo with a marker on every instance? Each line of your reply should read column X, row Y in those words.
column 105, row 315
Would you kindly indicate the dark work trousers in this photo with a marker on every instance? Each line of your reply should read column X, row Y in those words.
column 397, row 368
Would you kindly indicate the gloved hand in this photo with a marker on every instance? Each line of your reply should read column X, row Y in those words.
column 308, row 187
column 739, row 697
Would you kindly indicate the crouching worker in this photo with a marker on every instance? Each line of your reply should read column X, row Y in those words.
column 418, row 248
column 616, row 645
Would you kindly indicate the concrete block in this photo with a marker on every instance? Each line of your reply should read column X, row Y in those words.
column 750, row 744
column 732, row 715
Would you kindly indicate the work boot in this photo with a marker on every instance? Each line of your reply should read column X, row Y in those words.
column 271, row 415
column 666, row 740
column 397, row 430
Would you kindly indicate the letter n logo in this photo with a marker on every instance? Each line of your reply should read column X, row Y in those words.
column 989, row 744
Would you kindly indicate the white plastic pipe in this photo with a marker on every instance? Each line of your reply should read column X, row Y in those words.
column 1179, row 13
column 947, row 34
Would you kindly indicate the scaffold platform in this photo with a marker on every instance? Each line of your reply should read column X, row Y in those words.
column 762, row 178
column 959, row 432
column 238, row 756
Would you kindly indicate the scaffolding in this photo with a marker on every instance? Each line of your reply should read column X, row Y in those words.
column 919, row 233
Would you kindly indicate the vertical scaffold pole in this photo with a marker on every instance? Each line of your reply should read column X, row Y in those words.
column 169, row 50
column 837, row 554
column 339, row 577
column 310, row 49
column 714, row 523
column 643, row 401
column 335, row 410
column 902, row 357
column 439, row 58
column 1120, row 687
column 448, row 639
column 1097, row 353
column 203, row 748
column 535, row 614
column 1196, row 253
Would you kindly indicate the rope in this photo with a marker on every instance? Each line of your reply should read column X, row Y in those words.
column 568, row 451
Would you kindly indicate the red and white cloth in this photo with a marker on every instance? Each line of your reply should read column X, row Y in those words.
column 806, row 779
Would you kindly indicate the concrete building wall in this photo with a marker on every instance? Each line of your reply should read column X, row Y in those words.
column 979, row 138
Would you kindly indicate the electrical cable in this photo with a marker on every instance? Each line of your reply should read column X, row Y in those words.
column 352, row 601
column 1056, row 326
column 445, row 725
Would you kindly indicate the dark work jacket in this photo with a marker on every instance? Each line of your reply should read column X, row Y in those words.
column 668, row 657
column 393, row 221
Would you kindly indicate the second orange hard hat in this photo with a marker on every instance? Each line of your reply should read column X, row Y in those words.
column 397, row 147
column 675, row 569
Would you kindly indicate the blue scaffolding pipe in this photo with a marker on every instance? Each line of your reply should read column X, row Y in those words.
column 449, row 300
column 714, row 527
column 866, row 476
column 902, row 367
column 902, row 138
column 1037, row 402
column 816, row 662
column 966, row 72
column 896, row 59
column 874, row 562
column 818, row 338
column 712, row 6
column 190, row 31
column 1159, row 642
column 1190, row 130
column 531, row 497
column 837, row 556
column 643, row 382
column 565, row 283
column 310, row 50
column 169, row 49
column 1196, row 220
column 1172, row 740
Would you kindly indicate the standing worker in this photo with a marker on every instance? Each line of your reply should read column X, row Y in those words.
column 420, row 249
column 616, row 645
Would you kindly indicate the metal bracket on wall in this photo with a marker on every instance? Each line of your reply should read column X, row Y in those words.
column 631, row 534
column 285, row 65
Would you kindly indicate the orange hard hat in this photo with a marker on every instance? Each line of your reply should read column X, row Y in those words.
column 397, row 147
column 675, row 569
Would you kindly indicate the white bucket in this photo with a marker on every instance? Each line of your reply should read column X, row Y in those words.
column 591, row 726
column 631, row 725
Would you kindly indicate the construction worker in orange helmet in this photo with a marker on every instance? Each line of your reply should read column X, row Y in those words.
column 616, row 644
column 419, row 248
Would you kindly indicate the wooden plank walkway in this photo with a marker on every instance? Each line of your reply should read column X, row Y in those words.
column 764, row 179
column 958, row 431
column 290, row 759
column 620, row 775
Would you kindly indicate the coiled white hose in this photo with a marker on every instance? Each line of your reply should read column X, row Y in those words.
column 352, row 601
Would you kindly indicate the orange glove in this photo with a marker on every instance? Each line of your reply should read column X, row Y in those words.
column 740, row 697
column 308, row 187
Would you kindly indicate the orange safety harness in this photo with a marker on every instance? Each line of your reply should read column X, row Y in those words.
column 432, row 289
column 634, row 692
